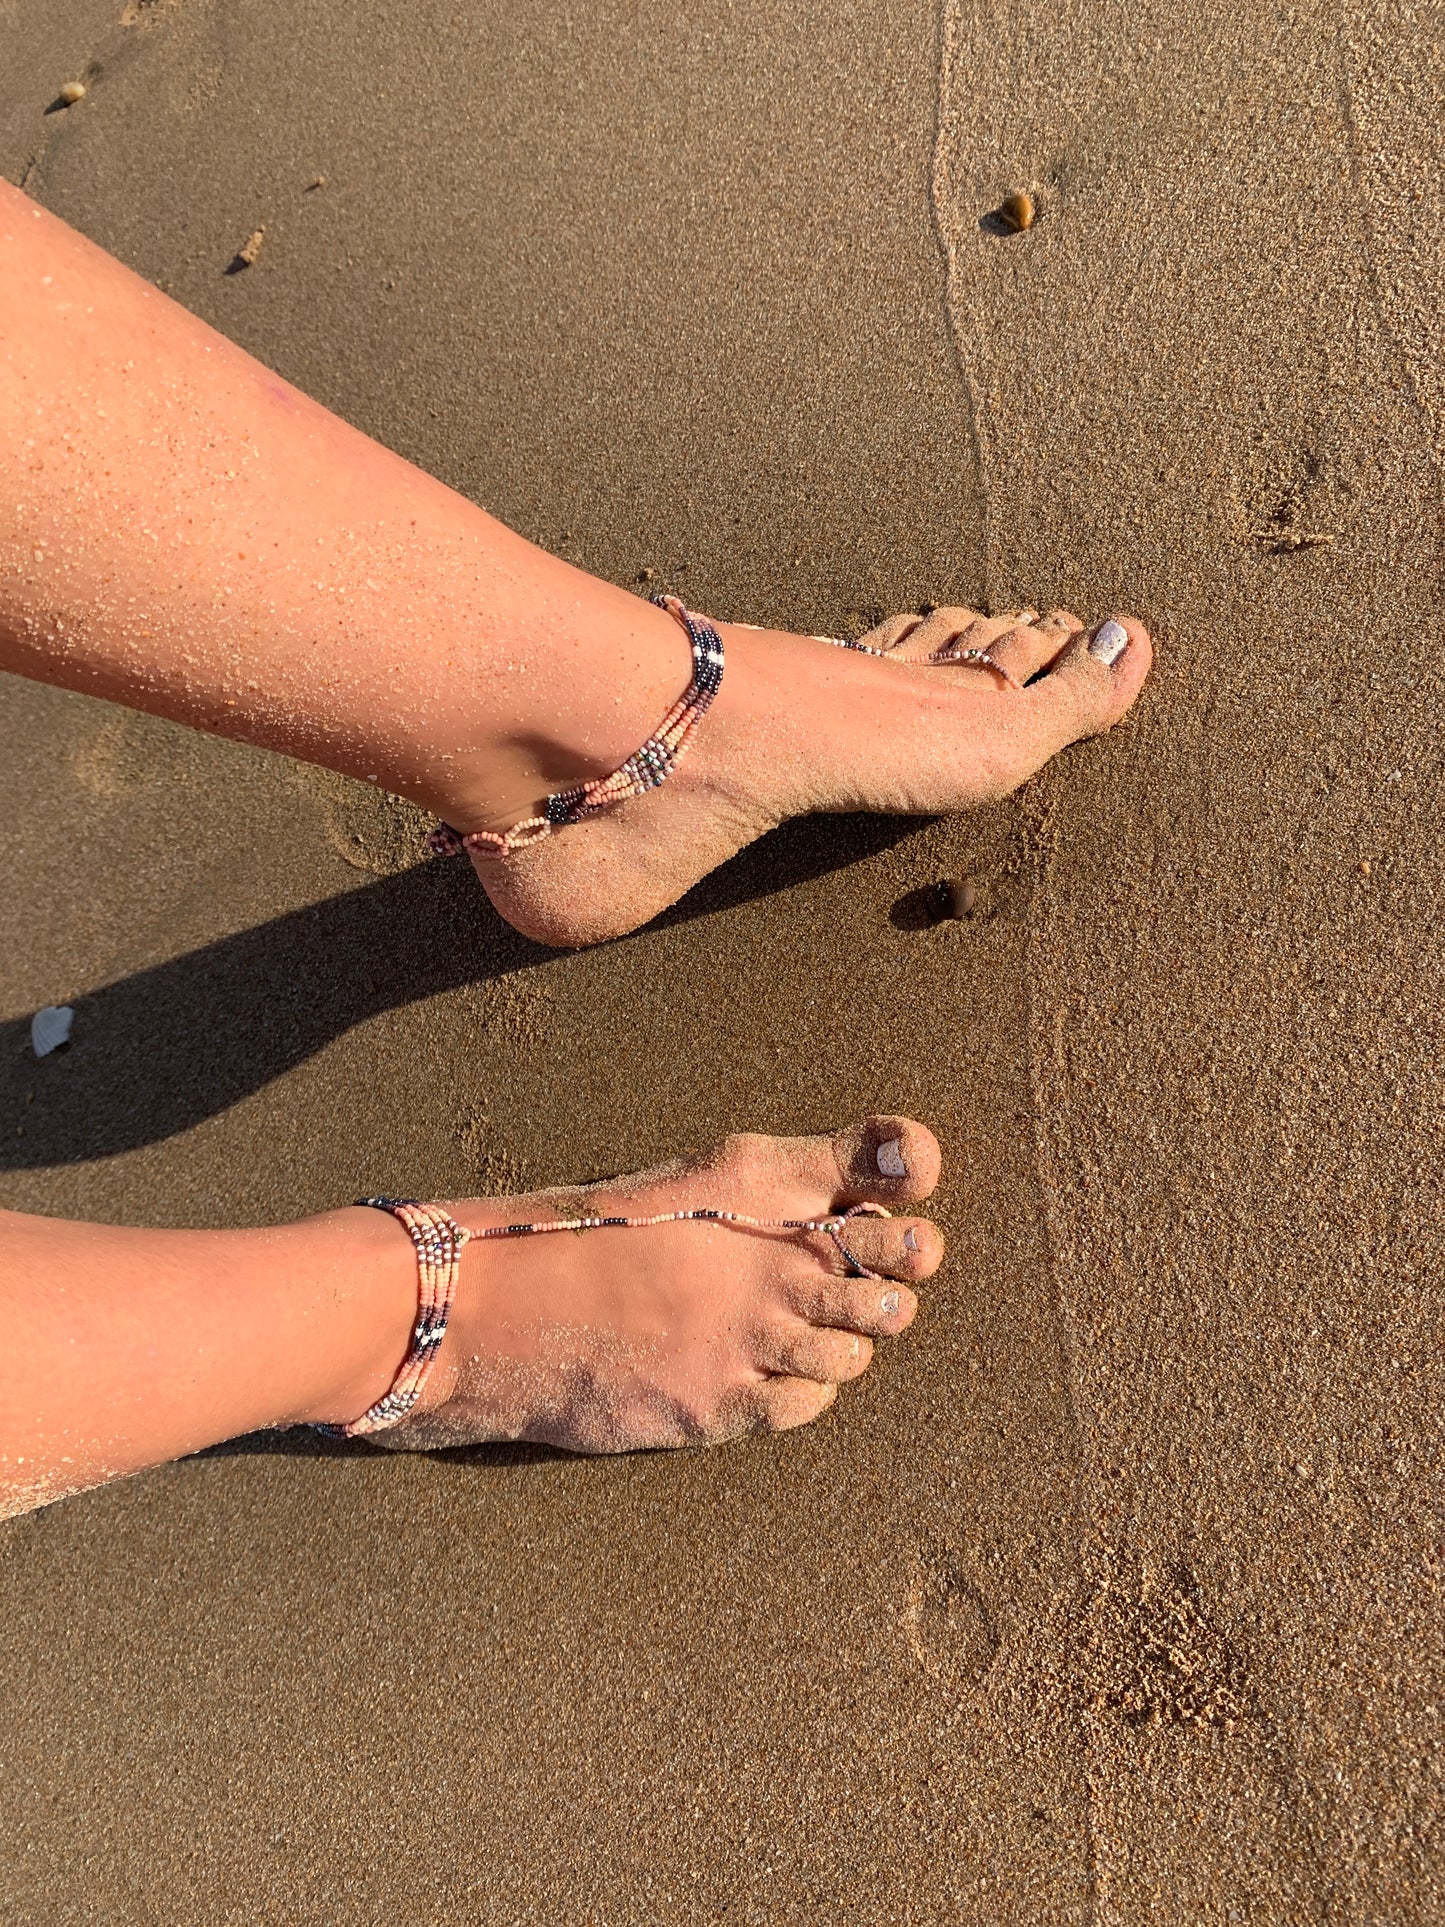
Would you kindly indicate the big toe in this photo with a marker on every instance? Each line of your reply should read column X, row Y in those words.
column 882, row 1160
column 1095, row 680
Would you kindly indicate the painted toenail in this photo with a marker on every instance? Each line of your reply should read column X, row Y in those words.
column 888, row 1304
column 1111, row 639
column 910, row 1240
column 890, row 1159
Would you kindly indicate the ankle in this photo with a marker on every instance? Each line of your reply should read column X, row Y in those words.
column 579, row 695
column 773, row 742
column 367, row 1266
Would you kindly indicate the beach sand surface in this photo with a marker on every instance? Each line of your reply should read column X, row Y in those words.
column 1112, row 1594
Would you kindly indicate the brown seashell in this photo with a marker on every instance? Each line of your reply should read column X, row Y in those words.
column 1017, row 212
column 72, row 91
column 252, row 248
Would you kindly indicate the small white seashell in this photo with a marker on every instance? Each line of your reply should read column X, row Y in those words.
column 50, row 1028
column 890, row 1159
column 72, row 91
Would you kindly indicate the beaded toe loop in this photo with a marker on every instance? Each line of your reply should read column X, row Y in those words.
column 834, row 1229
column 980, row 656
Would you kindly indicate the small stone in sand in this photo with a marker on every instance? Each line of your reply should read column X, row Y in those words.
column 50, row 1028
column 319, row 181
column 1017, row 212
column 72, row 91
column 956, row 897
column 247, row 254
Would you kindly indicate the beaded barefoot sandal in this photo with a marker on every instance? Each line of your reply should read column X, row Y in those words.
column 438, row 1239
column 980, row 656
column 659, row 756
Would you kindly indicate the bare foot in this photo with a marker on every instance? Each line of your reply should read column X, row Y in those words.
column 682, row 1334
column 800, row 726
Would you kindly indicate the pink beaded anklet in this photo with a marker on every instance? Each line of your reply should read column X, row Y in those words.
column 661, row 753
column 643, row 770
column 439, row 1240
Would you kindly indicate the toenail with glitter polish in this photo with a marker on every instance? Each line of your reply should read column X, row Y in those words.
column 910, row 1240
column 888, row 1304
column 1110, row 641
column 890, row 1159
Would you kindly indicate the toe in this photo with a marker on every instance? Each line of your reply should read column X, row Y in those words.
column 883, row 1160
column 878, row 1310
column 1089, row 687
column 895, row 636
column 1027, row 647
column 904, row 1248
column 1096, row 678
column 782, row 1404
column 821, row 1353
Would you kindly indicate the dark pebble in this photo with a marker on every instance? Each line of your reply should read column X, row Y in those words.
column 956, row 897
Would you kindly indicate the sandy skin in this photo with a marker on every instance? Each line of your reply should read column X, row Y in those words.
column 190, row 535
column 145, row 1345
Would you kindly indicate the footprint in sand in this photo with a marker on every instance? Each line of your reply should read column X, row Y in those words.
column 369, row 829
column 1155, row 1655
column 949, row 1626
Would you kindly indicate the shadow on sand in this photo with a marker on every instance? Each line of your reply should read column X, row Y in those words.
column 156, row 1053
column 300, row 1442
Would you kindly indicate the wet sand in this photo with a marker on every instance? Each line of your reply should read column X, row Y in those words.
column 1112, row 1593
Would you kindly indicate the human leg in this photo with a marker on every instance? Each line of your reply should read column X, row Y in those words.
column 186, row 533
